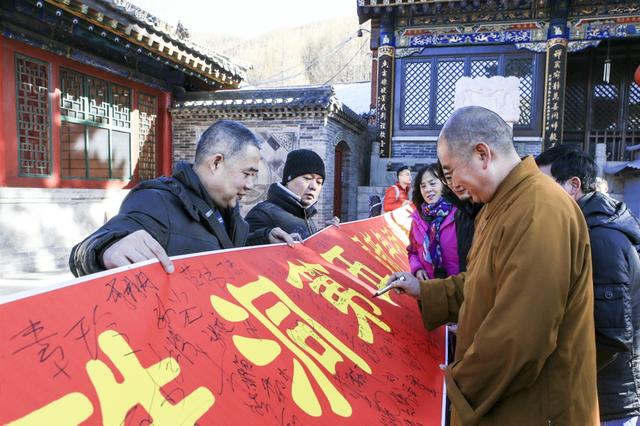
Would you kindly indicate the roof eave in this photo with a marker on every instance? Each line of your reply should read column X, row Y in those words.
column 145, row 35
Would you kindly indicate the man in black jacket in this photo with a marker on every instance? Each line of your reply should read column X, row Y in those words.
column 615, row 235
column 290, row 205
column 194, row 210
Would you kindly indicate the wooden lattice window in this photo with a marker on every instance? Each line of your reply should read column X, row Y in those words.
column 523, row 69
column 449, row 72
column 484, row 67
column 417, row 93
column 95, row 130
column 148, row 107
column 428, row 85
column 33, row 117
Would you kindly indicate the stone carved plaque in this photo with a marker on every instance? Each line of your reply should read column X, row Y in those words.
column 499, row 94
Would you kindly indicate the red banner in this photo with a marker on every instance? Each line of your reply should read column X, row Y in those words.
column 268, row 335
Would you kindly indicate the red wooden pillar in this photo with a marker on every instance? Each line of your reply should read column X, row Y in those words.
column 8, row 129
column 165, row 139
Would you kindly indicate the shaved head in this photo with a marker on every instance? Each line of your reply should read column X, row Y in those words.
column 471, row 125
column 476, row 151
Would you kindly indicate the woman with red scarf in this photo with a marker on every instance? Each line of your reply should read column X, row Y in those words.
column 433, row 247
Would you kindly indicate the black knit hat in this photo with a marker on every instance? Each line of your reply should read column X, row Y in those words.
column 300, row 162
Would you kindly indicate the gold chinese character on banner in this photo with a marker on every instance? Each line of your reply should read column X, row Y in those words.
column 313, row 348
column 71, row 409
column 141, row 386
column 138, row 386
column 364, row 276
column 342, row 298
column 384, row 246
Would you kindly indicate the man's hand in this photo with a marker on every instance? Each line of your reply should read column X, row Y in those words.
column 421, row 275
column 335, row 221
column 136, row 247
column 409, row 284
column 277, row 235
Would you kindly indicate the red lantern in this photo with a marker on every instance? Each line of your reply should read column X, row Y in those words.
column 636, row 76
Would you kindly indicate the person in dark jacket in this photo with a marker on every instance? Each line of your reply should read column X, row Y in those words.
column 615, row 235
column 465, row 215
column 290, row 204
column 192, row 211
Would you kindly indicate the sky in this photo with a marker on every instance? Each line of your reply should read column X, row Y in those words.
column 245, row 18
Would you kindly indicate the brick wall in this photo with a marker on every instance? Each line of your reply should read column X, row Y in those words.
column 422, row 149
column 528, row 148
column 315, row 129
column 355, row 167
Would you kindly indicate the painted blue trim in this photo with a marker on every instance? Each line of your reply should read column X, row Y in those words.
column 513, row 36
column 435, row 54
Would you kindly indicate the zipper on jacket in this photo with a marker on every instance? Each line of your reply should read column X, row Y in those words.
column 306, row 221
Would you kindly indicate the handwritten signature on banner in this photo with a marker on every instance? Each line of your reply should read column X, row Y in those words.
column 229, row 334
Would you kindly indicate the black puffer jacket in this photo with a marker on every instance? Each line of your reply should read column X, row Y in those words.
column 282, row 209
column 615, row 236
column 465, row 218
column 177, row 212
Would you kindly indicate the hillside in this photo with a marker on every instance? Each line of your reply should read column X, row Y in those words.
column 325, row 51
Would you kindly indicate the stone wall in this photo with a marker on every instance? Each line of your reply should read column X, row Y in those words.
column 40, row 226
column 315, row 130
column 363, row 198
column 355, row 167
column 525, row 148
column 418, row 149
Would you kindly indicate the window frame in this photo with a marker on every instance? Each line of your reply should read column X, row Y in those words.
column 467, row 54
column 17, row 56
column 142, row 141
column 87, row 123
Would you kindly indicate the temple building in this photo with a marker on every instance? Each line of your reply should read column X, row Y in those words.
column 288, row 118
column 575, row 61
column 86, row 90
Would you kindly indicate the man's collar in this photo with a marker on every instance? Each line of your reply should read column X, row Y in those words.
column 585, row 199
column 296, row 196
column 520, row 172
column 290, row 193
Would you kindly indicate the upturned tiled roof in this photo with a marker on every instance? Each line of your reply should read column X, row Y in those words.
column 291, row 98
column 141, row 28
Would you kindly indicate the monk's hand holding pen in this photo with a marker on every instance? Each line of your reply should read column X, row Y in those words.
column 401, row 282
